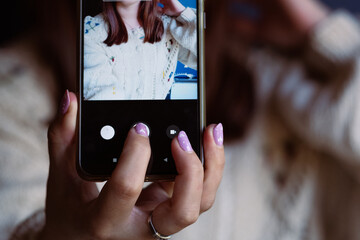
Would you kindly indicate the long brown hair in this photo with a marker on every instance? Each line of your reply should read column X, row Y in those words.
column 230, row 89
column 149, row 19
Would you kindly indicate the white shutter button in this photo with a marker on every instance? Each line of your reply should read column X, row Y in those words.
column 107, row 132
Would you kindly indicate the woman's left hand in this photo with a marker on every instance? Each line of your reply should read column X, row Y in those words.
column 75, row 209
column 172, row 8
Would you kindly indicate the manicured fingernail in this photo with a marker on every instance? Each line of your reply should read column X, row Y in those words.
column 65, row 103
column 184, row 142
column 218, row 134
column 142, row 129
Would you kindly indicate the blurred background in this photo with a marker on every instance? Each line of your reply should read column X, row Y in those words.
column 50, row 26
column 351, row 5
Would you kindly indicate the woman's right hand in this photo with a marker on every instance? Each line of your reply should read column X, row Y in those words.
column 172, row 8
column 75, row 209
column 283, row 23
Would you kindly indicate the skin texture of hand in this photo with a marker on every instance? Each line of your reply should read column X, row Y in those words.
column 75, row 209
column 282, row 23
column 172, row 8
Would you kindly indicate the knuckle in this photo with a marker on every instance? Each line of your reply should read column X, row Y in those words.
column 186, row 218
column 98, row 230
column 127, row 188
column 54, row 134
column 51, row 134
column 143, row 148
column 140, row 146
column 218, row 159
column 206, row 205
column 217, row 165
column 196, row 177
column 197, row 169
column 220, row 164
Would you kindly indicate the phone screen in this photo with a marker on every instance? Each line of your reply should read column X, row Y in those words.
column 147, row 71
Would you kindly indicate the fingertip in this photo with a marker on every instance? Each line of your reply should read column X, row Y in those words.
column 142, row 129
column 184, row 156
column 68, row 104
column 137, row 138
column 65, row 103
column 184, row 142
column 160, row 10
column 214, row 135
column 73, row 97
column 61, row 133
column 214, row 152
column 69, row 117
column 63, row 128
column 218, row 135
column 137, row 141
column 72, row 111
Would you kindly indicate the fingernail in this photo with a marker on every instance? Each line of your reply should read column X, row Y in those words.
column 184, row 142
column 142, row 129
column 65, row 103
column 218, row 134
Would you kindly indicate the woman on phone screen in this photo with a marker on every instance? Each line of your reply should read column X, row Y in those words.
column 132, row 48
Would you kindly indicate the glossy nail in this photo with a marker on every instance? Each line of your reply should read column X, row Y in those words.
column 65, row 103
column 218, row 134
column 184, row 142
column 142, row 129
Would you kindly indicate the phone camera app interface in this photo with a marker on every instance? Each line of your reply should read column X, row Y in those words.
column 139, row 64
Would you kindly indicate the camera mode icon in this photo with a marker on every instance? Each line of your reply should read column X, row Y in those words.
column 172, row 131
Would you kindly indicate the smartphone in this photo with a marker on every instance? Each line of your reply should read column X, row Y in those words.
column 150, row 70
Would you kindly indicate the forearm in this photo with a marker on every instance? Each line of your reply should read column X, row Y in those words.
column 334, row 44
column 184, row 30
column 326, row 112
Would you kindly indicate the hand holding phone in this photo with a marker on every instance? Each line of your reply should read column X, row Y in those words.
column 76, row 210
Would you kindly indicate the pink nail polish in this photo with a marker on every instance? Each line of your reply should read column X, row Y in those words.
column 65, row 103
column 218, row 134
column 142, row 129
column 184, row 142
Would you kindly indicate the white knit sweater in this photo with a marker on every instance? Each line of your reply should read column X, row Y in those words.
column 296, row 175
column 136, row 70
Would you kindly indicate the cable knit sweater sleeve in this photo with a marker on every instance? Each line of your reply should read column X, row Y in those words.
column 98, row 75
column 325, row 112
column 183, row 29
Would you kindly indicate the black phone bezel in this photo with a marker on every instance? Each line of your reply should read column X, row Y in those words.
column 201, row 97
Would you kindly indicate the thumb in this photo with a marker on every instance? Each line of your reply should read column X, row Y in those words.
column 61, row 134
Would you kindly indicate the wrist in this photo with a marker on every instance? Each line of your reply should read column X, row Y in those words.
column 309, row 15
column 305, row 16
column 179, row 8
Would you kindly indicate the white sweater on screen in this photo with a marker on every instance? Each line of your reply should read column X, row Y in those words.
column 136, row 70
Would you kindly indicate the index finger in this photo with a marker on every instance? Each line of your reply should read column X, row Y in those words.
column 118, row 197
column 183, row 208
column 214, row 164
